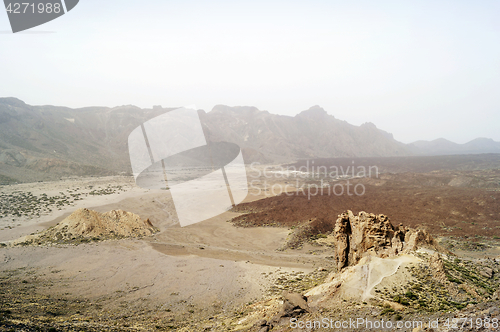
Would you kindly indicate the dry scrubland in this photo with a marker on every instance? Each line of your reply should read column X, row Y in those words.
column 266, row 261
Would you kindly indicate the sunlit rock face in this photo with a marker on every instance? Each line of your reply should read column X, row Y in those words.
column 365, row 234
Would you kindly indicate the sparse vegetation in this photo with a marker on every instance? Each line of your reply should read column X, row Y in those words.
column 25, row 204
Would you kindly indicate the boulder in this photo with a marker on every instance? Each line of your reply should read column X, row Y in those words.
column 486, row 272
column 294, row 305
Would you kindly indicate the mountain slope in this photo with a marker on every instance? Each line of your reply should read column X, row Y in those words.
column 311, row 134
column 48, row 142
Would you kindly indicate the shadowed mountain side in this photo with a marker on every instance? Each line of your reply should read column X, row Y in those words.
column 40, row 143
column 47, row 142
column 311, row 134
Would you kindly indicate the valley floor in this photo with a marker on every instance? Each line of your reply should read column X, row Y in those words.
column 196, row 278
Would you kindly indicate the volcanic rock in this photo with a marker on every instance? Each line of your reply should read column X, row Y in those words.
column 370, row 234
column 486, row 272
column 294, row 304
column 84, row 224
column 437, row 267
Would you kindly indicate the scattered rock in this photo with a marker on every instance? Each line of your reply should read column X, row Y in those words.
column 486, row 272
column 261, row 326
column 394, row 305
column 470, row 290
column 294, row 305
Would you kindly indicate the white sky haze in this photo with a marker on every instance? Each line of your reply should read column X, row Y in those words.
column 417, row 69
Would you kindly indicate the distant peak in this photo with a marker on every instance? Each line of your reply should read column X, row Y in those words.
column 369, row 125
column 482, row 139
column 314, row 112
column 237, row 109
column 12, row 101
column 126, row 107
column 442, row 140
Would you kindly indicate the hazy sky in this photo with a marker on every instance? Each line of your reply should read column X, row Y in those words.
column 417, row 69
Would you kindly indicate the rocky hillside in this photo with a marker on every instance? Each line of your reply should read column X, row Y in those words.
column 310, row 134
column 384, row 272
column 39, row 143
column 48, row 142
column 368, row 234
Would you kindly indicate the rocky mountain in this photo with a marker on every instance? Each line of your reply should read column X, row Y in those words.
column 310, row 134
column 357, row 236
column 39, row 143
column 47, row 142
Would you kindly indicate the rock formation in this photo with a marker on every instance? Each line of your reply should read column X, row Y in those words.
column 84, row 225
column 120, row 223
column 437, row 268
column 370, row 234
column 378, row 266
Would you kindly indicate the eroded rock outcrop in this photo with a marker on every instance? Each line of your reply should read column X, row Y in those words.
column 437, row 268
column 84, row 225
column 368, row 234
column 120, row 223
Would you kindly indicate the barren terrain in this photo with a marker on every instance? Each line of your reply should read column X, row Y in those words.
column 215, row 276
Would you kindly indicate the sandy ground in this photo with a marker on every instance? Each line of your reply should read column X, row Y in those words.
column 131, row 270
column 23, row 225
column 153, row 204
column 179, row 275
column 211, row 265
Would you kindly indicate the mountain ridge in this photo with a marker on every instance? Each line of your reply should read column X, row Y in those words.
column 442, row 146
column 39, row 143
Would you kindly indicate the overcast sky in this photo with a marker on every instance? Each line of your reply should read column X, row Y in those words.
column 417, row 69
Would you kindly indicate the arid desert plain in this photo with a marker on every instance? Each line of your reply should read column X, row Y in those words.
column 273, row 261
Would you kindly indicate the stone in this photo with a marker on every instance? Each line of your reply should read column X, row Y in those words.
column 486, row 272
column 437, row 267
column 261, row 326
column 294, row 305
column 496, row 295
column 370, row 234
